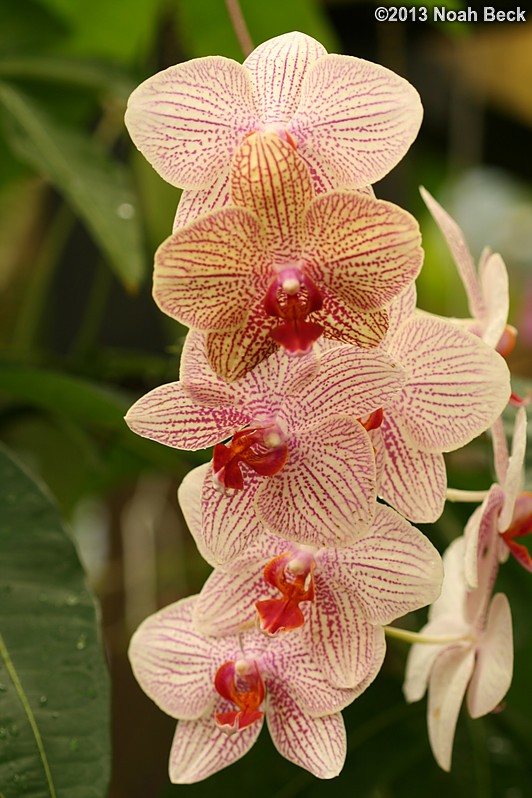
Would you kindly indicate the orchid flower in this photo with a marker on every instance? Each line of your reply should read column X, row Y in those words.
column 475, row 652
column 456, row 386
column 220, row 689
column 486, row 288
column 511, row 508
column 351, row 120
column 339, row 598
column 299, row 460
column 282, row 266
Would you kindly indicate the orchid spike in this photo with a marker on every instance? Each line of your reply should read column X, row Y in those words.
column 339, row 599
column 351, row 120
column 221, row 688
column 282, row 266
column 290, row 422
column 480, row 660
column 456, row 387
column 486, row 288
column 511, row 508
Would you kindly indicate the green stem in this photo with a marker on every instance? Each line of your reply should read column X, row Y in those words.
column 457, row 495
column 8, row 662
column 239, row 26
column 416, row 637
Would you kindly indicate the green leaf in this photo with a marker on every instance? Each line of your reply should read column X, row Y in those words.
column 96, row 186
column 54, row 688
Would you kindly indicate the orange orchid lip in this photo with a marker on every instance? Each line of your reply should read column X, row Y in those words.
column 261, row 448
column 240, row 682
column 293, row 577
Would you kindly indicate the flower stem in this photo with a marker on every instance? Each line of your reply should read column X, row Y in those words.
column 457, row 495
column 239, row 26
column 416, row 637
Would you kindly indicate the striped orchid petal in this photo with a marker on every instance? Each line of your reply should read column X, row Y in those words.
column 196, row 203
column 479, row 530
column 514, row 471
column 349, row 649
column 341, row 323
column 207, row 274
column 412, row 481
column 494, row 664
column 316, row 744
column 326, row 499
column 271, row 181
column 233, row 355
column 351, row 381
column 355, row 119
column 174, row 664
column 392, row 571
column 189, row 119
column 224, row 525
column 456, row 387
column 277, row 69
column 366, row 251
column 200, row 748
column 167, row 415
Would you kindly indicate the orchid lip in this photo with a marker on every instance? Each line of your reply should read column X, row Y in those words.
column 292, row 574
column 263, row 449
column 240, row 683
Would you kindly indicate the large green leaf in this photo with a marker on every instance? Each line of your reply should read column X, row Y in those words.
column 97, row 186
column 54, row 691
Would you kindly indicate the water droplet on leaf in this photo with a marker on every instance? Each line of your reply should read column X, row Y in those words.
column 81, row 642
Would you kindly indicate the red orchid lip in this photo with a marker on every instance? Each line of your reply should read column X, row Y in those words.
column 261, row 448
column 293, row 577
column 240, row 682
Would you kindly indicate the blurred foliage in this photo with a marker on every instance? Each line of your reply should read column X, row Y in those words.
column 80, row 339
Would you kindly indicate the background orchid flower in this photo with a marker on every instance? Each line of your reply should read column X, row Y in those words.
column 456, row 387
column 306, row 464
column 338, row 598
column 282, row 264
column 505, row 506
column 486, row 288
column 221, row 688
column 476, row 652
column 350, row 119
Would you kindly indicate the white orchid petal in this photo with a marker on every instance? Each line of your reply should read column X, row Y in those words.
column 189, row 119
column 189, row 495
column 200, row 748
column 355, row 119
column 514, row 473
column 494, row 283
column 448, row 681
column 457, row 385
column 480, row 528
column 495, row 658
column 461, row 255
column 422, row 656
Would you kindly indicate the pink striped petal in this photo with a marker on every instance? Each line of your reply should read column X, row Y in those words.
column 232, row 355
column 200, row 748
column 206, row 275
column 349, row 650
column 461, row 254
column 495, row 658
column 514, row 473
column 448, row 681
column 189, row 496
column 355, row 119
column 401, row 309
column 189, row 119
column 495, row 291
column 351, row 381
column 277, row 69
column 341, row 323
column 194, row 204
column 366, row 251
column 197, row 378
column 412, row 481
column 316, row 744
column 229, row 523
column 325, row 494
column 167, row 415
column 392, row 570
column 226, row 604
column 269, row 179
column 479, row 532
column 174, row 664
column 456, row 388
